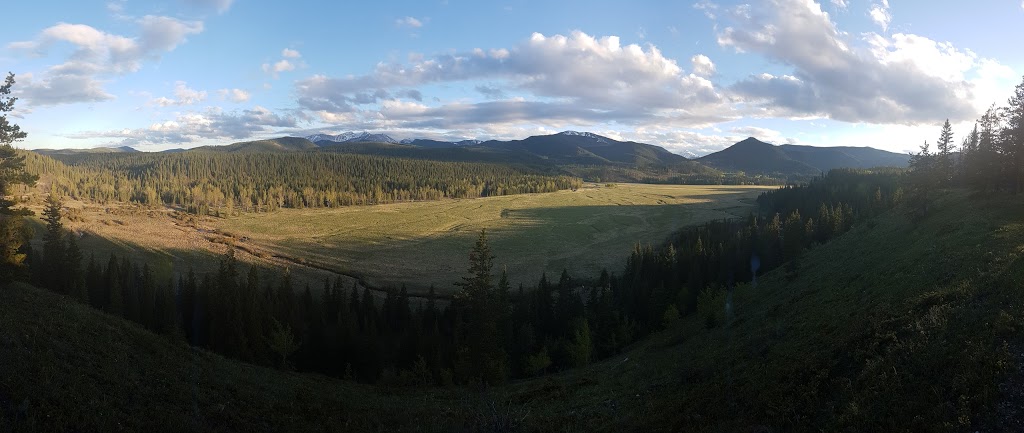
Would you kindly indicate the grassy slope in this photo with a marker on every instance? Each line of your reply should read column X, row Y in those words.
column 894, row 326
column 425, row 243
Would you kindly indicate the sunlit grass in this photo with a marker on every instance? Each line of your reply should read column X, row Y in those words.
column 425, row 243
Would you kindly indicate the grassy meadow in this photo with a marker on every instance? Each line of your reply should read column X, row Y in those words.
column 424, row 243
column 895, row 326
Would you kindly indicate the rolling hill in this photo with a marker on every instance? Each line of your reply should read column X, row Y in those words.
column 755, row 156
column 867, row 337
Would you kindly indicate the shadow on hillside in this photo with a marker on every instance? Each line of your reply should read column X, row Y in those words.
column 528, row 242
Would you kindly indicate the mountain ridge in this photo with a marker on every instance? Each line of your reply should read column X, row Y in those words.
column 758, row 157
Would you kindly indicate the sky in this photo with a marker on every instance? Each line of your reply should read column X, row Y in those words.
column 691, row 76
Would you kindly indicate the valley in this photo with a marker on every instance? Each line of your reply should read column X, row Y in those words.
column 417, row 244
column 425, row 243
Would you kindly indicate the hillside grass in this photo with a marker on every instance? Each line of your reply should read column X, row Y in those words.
column 424, row 243
column 896, row 325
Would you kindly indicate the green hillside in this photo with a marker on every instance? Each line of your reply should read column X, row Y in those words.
column 897, row 325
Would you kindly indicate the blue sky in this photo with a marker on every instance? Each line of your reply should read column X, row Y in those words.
column 691, row 76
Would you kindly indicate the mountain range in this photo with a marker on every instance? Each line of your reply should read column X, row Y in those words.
column 583, row 154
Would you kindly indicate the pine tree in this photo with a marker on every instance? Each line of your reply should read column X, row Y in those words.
column 793, row 242
column 486, row 360
column 987, row 161
column 75, row 279
column 1013, row 136
column 53, row 245
column 923, row 179
column 12, row 172
column 944, row 155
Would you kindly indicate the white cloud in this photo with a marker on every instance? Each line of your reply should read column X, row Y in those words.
column 283, row 65
column 710, row 9
column 57, row 89
column 899, row 79
column 879, row 13
column 702, row 66
column 409, row 22
column 276, row 68
column 183, row 95
column 99, row 54
column 841, row 4
column 234, row 95
column 211, row 124
column 577, row 77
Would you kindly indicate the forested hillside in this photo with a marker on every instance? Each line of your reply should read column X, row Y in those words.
column 858, row 334
column 490, row 331
column 206, row 182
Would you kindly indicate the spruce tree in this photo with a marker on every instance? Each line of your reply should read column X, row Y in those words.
column 53, row 245
column 12, row 172
column 923, row 179
column 944, row 155
column 75, row 279
column 1013, row 136
column 486, row 360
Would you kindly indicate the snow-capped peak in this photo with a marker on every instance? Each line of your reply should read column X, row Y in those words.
column 352, row 136
column 589, row 135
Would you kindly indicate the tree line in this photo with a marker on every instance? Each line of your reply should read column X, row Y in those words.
column 220, row 183
column 990, row 158
column 488, row 332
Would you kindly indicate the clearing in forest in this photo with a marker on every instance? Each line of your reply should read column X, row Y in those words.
column 424, row 243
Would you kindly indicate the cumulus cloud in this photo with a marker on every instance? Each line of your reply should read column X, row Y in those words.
column 702, row 66
column 190, row 127
column 578, row 77
column 234, row 95
column 276, row 68
column 284, row 65
column 98, row 54
column 409, row 22
column 900, row 79
column 183, row 95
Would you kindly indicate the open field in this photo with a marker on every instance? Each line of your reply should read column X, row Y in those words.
column 424, row 243
column 415, row 243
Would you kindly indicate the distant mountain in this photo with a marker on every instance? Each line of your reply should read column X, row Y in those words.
column 753, row 156
column 283, row 144
column 421, row 142
column 827, row 158
column 93, row 150
column 351, row 137
column 584, row 148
